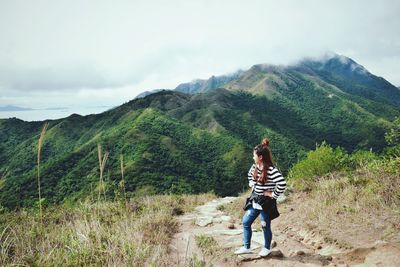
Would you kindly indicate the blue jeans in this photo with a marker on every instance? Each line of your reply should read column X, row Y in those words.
column 248, row 218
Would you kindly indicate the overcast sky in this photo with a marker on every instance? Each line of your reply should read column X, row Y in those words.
column 75, row 54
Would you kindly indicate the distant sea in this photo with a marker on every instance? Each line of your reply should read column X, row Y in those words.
column 51, row 114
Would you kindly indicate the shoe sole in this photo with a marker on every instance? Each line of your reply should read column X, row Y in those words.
column 250, row 252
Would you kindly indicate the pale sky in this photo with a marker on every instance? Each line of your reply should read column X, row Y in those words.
column 87, row 54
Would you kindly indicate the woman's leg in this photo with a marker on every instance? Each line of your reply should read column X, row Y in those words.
column 266, row 226
column 248, row 218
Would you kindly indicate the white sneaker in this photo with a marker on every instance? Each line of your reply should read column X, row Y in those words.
column 243, row 250
column 264, row 252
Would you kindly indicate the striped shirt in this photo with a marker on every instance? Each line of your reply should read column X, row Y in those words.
column 275, row 181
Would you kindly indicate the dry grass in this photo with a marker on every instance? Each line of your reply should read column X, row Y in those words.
column 40, row 142
column 235, row 208
column 102, row 163
column 207, row 244
column 370, row 188
column 122, row 176
column 353, row 208
column 94, row 234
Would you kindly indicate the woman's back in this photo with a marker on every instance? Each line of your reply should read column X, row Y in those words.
column 275, row 183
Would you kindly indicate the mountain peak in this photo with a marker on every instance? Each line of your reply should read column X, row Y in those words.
column 146, row 93
column 336, row 63
column 200, row 85
column 267, row 68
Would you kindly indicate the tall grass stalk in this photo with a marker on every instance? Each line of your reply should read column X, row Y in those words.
column 122, row 176
column 102, row 163
column 38, row 169
column 5, row 174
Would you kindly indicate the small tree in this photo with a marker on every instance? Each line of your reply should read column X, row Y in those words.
column 392, row 137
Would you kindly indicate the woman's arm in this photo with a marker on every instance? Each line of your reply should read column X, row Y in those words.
column 250, row 176
column 279, row 181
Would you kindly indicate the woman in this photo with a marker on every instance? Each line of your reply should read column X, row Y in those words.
column 267, row 183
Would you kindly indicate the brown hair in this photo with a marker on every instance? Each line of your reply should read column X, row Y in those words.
column 264, row 151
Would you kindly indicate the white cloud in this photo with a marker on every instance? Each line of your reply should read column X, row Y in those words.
column 114, row 51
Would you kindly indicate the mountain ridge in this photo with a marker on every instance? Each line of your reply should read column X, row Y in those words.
column 13, row 108
column 192, row 143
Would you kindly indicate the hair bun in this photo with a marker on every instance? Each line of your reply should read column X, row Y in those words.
column 265, row 142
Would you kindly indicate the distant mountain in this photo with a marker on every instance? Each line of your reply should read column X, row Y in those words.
column 146, row 93
column 179, row 142
column 59, row 108
column 338, row 71
column 199, row 86
column 13, row 108
column 16, row 108
column 353, row 78
column 325, row 91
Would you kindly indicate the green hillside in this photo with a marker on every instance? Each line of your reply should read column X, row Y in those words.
column 174, row 142
column 176, row 150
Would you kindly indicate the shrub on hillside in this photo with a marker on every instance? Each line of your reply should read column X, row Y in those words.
column 392, row 137
column 360, row 158
column 322, row 160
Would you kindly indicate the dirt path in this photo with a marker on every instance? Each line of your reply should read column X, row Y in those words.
column 292, row 247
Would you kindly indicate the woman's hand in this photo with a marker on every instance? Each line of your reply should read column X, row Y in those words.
column 268, row 194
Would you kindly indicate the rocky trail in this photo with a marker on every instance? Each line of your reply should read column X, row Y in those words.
column 291, row 246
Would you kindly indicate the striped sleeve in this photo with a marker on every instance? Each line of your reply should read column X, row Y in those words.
column 277, row 178
column 250, row 176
